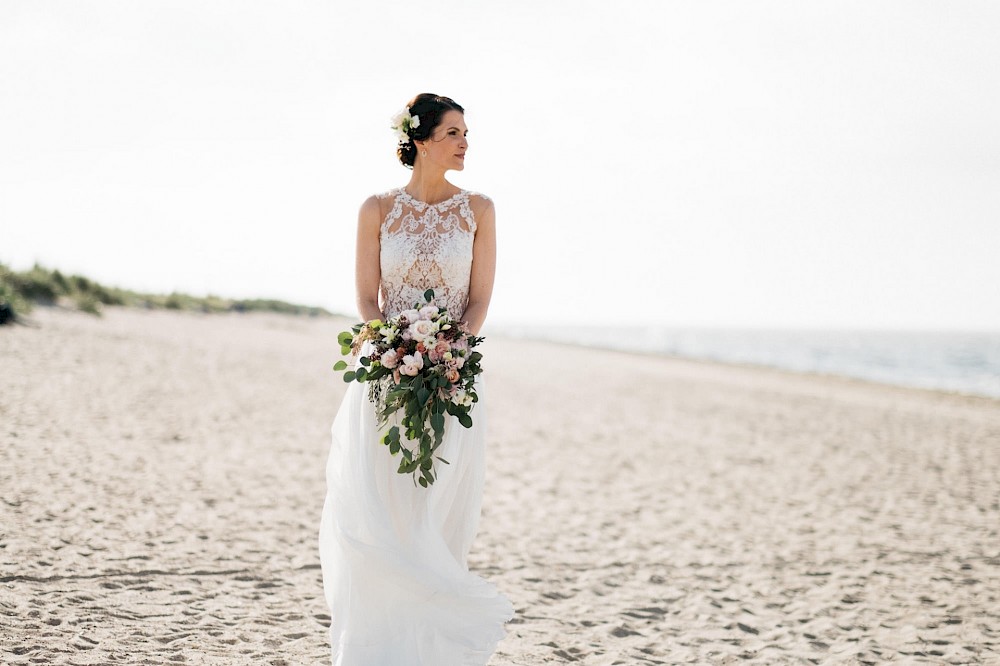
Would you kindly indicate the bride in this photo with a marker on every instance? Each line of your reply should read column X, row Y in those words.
column 393, row 553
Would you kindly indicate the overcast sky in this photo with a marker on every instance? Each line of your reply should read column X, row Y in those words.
column 692, row 163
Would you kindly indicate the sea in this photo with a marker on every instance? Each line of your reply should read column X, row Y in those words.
column 954, row 361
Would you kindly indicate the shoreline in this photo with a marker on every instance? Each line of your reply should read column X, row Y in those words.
column 347, row 322
column 749, row 365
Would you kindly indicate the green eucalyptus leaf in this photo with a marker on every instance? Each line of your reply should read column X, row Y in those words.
column 429, row 295
column 349, row 376
column 437, row 422
column 340, row 365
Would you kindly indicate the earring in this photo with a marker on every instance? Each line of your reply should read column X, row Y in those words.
column 423, row 153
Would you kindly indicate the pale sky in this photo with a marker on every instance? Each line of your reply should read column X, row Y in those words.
column 690, row 163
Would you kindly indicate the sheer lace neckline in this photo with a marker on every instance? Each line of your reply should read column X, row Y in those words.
column 420, row 205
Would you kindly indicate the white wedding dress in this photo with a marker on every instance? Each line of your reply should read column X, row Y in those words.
column 393, row 553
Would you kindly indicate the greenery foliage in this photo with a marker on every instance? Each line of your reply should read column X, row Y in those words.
column 421, row 362
column 19, row 291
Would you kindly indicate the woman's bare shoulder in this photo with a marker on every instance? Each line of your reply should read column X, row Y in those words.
column 387, row 195
column 479, row 197
column 480, row 203
column 377, row 205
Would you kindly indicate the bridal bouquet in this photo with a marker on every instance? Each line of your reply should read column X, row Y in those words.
column 422, row 362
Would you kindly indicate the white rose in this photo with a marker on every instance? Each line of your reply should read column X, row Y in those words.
column 411, row 315
column 462, row 398
column 422, row 329
column 428, row 312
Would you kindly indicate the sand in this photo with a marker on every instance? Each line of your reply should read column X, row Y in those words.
column 161, row 482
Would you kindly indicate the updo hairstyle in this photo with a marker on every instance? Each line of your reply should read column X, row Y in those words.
column 429, row 108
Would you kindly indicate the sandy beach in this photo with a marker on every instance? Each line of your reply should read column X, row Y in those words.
column 162, row 477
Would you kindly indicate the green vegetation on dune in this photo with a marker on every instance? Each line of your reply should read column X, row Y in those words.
column 19, row 291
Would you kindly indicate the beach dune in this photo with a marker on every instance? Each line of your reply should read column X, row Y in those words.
column 162, row 478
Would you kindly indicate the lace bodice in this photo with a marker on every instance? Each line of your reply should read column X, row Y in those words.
column 426, row 246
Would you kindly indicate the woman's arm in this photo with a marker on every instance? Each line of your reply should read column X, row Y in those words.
column 484, row 263
column 367, row 267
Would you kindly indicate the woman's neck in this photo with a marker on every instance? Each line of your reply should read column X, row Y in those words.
column 429, row 187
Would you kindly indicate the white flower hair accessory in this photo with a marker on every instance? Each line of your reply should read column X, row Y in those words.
column 403, row 123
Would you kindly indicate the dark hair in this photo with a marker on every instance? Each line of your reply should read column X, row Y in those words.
column 429, row 108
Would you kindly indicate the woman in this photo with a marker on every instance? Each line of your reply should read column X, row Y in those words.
column 394, row 553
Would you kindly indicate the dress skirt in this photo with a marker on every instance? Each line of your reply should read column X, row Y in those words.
column 394, row 553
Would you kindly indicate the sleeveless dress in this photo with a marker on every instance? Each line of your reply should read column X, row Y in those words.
column 394, row 554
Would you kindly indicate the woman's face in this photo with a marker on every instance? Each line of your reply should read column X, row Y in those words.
column 447, row 144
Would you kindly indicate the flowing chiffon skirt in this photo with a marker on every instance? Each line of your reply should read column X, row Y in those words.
column 394, row 553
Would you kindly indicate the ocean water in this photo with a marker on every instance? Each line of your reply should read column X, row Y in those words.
column 960, row 362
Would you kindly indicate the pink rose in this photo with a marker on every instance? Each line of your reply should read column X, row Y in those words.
column 412, row 363
column 390, row 359
column 428, row 312
column 451, row 376
column 437, row 353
